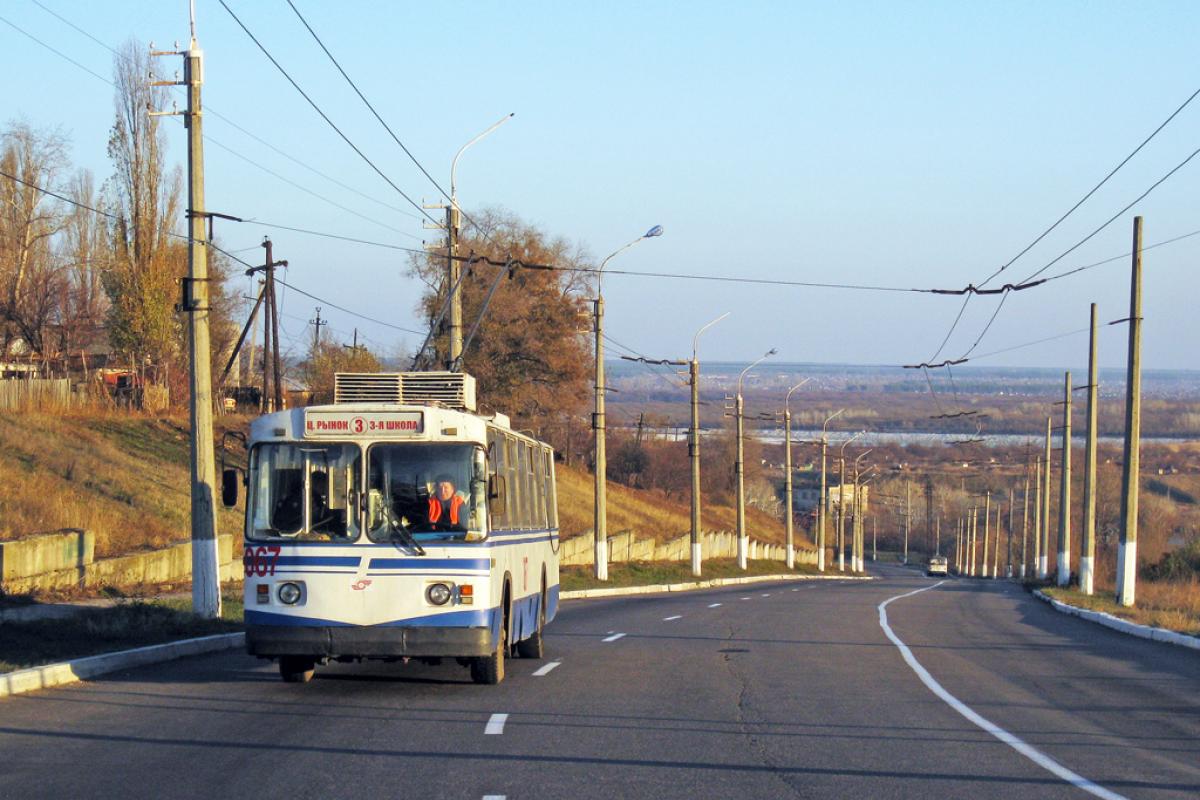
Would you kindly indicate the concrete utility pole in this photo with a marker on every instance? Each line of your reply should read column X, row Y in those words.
column 1044, row 565
column 958, row 546
column 1127, row 554
column 743, row 536
column 974, row 541
column 937, row 540
column 841, row 532
column 1087, row 552
column 694, row 444
column 823, row 502
column 987, row 515
column 857, row 543
column 453, row 266
column 875, row 536
column 996, row 549
column 907, row 515
column 317, row 323
column 1025, row 524
column 272, row 392
column 787, row 460
column 1037, row 519
column 1064, row 500
column 1011, row 509
column 206, row 585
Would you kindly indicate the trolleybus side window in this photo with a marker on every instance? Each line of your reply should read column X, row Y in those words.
column 305, row 492
column 427, row 491
column 538, row 515
column 551, row 502
column 512, row 480
column 496, row 453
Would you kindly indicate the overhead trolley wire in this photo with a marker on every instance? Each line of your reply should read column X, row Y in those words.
column 323, row 115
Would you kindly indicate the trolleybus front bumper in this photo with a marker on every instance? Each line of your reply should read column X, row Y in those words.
column 367, row 641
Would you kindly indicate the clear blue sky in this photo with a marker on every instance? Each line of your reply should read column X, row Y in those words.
column 898, row 144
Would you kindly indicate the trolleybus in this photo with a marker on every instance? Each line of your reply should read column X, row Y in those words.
column 397, row 523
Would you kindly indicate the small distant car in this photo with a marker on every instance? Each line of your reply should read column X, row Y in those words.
column 938, row 565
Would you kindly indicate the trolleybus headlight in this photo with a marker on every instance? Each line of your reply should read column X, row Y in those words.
column 289, row 593
column 438, row 593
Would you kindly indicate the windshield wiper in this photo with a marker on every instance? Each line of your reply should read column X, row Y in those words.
column 406, row 536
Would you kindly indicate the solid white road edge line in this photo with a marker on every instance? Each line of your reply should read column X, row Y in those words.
column 546, row 669
column 612, row 638
column 677, row 616
column 1032, row 753
column 495, row 725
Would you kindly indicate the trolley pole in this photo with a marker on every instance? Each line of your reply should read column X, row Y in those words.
column 206, row 583
column 1064, row 498
column 1087, row 552
column 1127, row 554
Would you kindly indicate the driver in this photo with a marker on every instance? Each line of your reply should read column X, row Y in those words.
column 445, row 503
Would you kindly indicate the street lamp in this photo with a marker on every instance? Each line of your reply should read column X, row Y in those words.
column 694, row 445
column 787, row 460
column 743, row 542
column 823, row 501
column 601, row 511
column 856, row 555
column 453, row 270
column 842, row 502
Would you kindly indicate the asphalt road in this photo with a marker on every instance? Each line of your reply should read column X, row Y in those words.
column 773, row 690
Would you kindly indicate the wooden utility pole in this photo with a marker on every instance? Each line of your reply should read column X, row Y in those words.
column 453, row 279
column 1087, row 553
column 272, row 390
column 1127, row 554
column 1064, row 497
column 317, row 323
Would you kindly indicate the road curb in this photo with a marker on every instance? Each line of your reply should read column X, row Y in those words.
column 48, row 675
column 660, row 588
column 1121, row 625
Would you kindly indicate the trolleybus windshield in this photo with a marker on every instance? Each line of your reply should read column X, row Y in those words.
column 426, row 491
column 306, row 492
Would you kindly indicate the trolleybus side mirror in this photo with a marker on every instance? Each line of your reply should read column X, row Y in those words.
column 496, row 494
column 229, row 487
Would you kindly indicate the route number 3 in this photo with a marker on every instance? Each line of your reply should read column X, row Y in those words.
column 260, row 560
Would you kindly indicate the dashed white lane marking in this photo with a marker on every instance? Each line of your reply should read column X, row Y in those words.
column 546, row 669
column 766, row 595
column 495, row 797
column 495, row 725
column 746, row 598
column 612, row 638
column 677, row 616
column 1032, row 753
column 713, row 605
column 795, row 590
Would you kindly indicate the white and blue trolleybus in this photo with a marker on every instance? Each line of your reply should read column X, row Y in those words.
column 397, row 523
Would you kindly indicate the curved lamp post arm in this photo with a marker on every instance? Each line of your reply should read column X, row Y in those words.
column 696, row 338
column 788, row 396
column 848, row 441
column 657, row 230
column 837, row 413
column 454, row 163
column 764, row 357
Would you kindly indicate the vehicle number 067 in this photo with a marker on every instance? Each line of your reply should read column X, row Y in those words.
column 260, row 560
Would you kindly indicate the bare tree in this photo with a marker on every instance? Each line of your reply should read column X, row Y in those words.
column 85, row 256
column 29, row 219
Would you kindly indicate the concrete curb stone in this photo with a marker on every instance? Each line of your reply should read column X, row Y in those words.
column 1121, row 625
column 618, row 591
column 48, row 675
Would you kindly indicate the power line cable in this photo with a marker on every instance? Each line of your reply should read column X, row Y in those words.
column 323, row 115
column 348, row 311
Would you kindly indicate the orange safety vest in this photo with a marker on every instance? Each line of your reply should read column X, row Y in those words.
column 435, row 509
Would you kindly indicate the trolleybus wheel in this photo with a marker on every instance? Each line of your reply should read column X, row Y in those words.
column 533, row 647
column 296, row 669
column 490, row 669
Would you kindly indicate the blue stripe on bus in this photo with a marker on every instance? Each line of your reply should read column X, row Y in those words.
column 420, row 562
column 317, row 561
column 473, row 618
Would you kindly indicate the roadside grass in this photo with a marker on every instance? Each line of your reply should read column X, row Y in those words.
column 650, row 573
column 123, row 626
column 1171, row 605
column 125, row 477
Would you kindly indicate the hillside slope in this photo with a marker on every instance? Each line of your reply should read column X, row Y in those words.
column 125, row 477
column 650, row 514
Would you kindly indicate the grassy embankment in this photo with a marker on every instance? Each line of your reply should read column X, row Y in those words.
column 108, row 629
column 1172, row 605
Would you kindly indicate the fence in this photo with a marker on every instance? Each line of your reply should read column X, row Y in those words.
column 38, row 394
